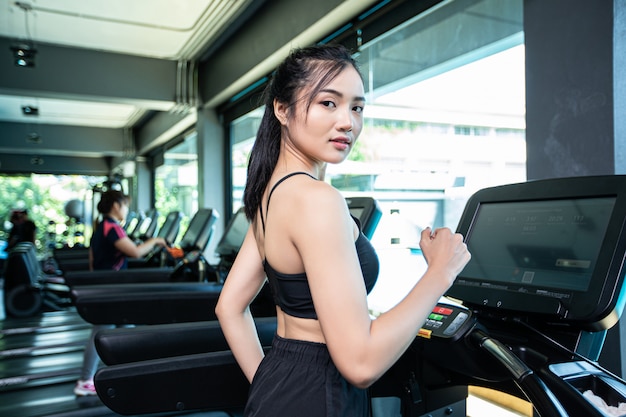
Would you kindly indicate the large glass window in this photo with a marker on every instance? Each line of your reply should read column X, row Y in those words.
column 61, row 206
column 176, row 180
column 445, row 117
column 243, row 132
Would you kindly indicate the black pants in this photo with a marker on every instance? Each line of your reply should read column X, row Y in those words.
column 299, row 379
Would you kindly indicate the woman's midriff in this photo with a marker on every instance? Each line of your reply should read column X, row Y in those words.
column 290, row 327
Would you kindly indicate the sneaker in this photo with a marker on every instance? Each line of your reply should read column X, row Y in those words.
column 83, row 388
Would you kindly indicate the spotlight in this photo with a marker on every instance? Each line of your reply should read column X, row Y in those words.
column 30, row 110
column 33, row 138
column 24, row 54
column 36, row 160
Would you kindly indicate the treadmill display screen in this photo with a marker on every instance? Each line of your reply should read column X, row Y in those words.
column 356, row 212
column 550, row 250
column 233, row 237
column 199, row 230
column 169, row 229
column 538, row 245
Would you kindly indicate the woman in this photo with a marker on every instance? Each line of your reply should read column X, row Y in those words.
column 109, row 249
column 110, row 245
column 327, row 350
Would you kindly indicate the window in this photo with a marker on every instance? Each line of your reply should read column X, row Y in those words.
column 243, row 132
column 176, row 181
column 61, row 206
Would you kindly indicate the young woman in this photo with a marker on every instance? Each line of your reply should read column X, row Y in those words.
column 327, row 349
column 109, row 249
column 110, row 245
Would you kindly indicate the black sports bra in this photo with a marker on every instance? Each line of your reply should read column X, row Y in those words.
column 291, row 292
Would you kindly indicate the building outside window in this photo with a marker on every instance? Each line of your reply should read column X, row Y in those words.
column 176, row 181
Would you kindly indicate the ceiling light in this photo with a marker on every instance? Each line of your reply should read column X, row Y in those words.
column 24, row 50
column 24, row 54
column 33, row 138
column 36, row 160
column 30, row 110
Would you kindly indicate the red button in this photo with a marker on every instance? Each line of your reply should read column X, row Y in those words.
column 442, row 310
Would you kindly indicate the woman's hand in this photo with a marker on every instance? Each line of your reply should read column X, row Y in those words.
column 444, row 250
column 159, row 241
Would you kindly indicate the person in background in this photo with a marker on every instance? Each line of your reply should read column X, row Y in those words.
column 109, row 249
column 110, row 246
column 327, row 349
column 23, row 230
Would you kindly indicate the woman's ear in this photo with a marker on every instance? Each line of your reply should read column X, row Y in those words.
column 280, row 111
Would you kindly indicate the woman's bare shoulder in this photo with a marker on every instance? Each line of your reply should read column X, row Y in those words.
column 318, row 195
column 306, row 200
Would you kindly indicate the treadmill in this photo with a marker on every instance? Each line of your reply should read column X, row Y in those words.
column 146, row 228
column 228, row 246
column 528, row 316
column 27, row 289
column 153, row 267
column 529, row 313
column 168, row 231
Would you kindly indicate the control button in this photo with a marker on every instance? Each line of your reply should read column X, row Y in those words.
column 456, row 323
column 442, row 310
column 424, row 333
column 434, row 316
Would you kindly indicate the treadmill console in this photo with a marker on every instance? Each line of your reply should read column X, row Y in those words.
column 447, row 321
column 199, row 231
column 552, row 250
column 367, row 210
column 234, row 234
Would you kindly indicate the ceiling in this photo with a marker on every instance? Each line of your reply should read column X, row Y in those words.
column 157, row 31
column 115, row 80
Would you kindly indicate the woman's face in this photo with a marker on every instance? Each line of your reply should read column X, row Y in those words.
column 330, row 128
column 120, row 210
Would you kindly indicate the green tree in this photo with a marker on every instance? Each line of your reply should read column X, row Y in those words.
column 23, row 192
column 39, row 194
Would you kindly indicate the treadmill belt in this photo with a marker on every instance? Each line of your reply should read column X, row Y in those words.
column 40, row 361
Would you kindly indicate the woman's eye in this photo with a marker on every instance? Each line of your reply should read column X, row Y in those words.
column 328, row 103
column 358, row 109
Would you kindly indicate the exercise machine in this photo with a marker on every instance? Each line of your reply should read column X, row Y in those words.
column 527, row 316
column 158, row 266
column 27, row 289
column 146, row 227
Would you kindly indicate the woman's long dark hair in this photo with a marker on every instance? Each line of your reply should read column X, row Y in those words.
column 110, row 197
column 314, row 66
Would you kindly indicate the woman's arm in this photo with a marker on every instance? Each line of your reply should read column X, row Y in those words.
column 362, row 348
column 244, row 281
column 129, row 248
